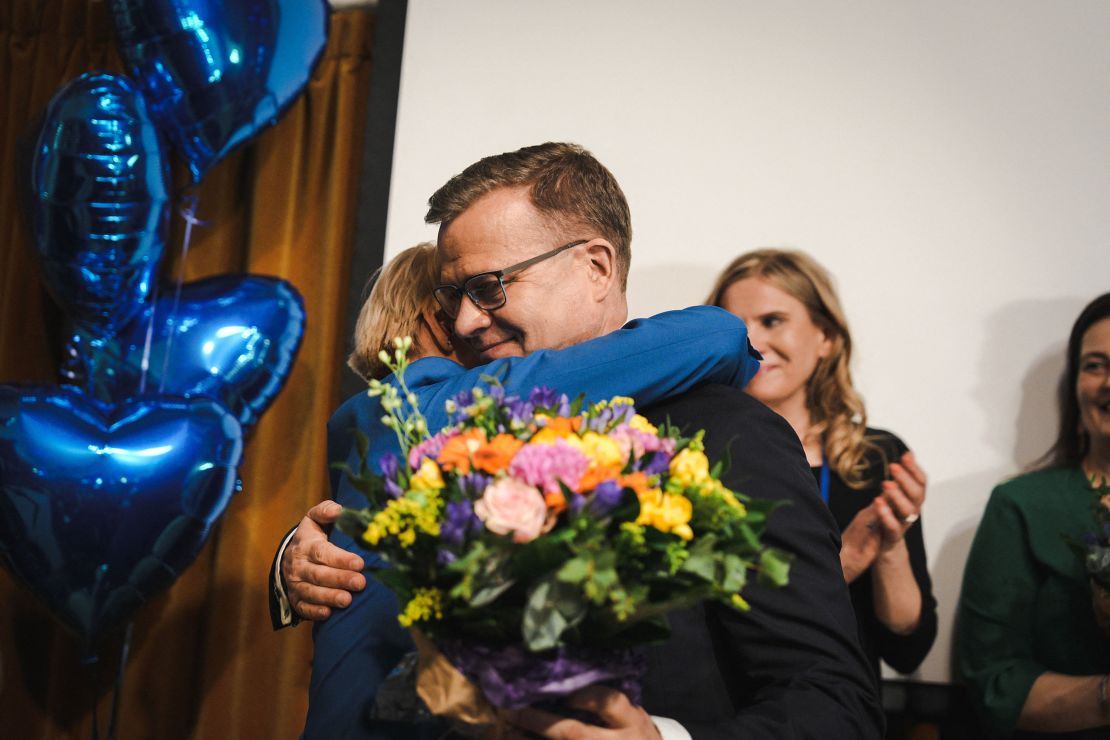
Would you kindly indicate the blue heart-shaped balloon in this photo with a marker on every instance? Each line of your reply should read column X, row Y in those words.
column 232, row 338
column 216, row 72
column 100, row 511
column 100, row 201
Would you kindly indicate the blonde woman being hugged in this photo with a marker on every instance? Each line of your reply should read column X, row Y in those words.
column 870, row 481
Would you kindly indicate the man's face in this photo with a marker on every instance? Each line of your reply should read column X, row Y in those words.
column 550, row 305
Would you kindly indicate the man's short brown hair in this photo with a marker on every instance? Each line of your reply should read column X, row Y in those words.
column 566, row 183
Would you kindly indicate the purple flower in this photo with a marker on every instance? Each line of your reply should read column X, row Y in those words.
column 606, row 497
column 520, row 410
column 543, row 466
column 392, row 488
column 463, row 399
column 445, row 556
column 460, row 515
column 658, row 463
column 623, row 411
column 474, row 484
column 388, row 463
column 575, row 503
column 429, row 448
column 543, row 396
column 497, row 393
column 600, row 422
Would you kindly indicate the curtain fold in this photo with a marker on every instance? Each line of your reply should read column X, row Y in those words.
column 204, row 661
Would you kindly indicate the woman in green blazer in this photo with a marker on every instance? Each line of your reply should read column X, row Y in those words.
column 1027, row 642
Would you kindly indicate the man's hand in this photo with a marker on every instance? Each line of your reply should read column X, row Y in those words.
column 318, row 574
column 622, row 718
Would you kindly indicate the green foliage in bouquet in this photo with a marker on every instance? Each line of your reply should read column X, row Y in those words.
column 1095, row 548
column 542, row 521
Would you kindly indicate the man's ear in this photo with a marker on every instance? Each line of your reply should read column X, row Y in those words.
column 601, row 259
column 437, row 330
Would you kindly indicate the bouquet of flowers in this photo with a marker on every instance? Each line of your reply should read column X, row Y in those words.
column 535, row 541
column 1095, row 552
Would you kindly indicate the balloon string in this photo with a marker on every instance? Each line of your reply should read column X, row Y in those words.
column 123, row 651
column 144, row 365
column 188, row 212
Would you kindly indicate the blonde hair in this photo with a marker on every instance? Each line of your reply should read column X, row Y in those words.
column 836, row 410
column 400, row 290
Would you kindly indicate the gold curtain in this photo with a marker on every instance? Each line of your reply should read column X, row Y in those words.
column 204, row 662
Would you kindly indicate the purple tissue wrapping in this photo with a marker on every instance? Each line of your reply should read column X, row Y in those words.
column 512, row 677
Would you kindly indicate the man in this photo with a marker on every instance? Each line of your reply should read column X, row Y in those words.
column 791, row 667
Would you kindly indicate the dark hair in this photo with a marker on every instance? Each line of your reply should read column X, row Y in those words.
column 565, row 182
column 1072, row 443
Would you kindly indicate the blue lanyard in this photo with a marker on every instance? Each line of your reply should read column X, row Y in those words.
column 824, row 477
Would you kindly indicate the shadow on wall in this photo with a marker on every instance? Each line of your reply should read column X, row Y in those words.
column 1030, row 334
column 665, row 287
column 1020, row 418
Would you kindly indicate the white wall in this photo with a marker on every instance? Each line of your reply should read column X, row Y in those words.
column 948, row 161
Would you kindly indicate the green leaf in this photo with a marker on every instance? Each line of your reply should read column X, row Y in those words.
column 724, row 464
column 493, row 380
column 352, row 522
column 736, row 573
column 627, row 509
column 575, row 570
column 774, row 567
column 703, row 559
column 703, row 565
column 397, row 581
column 362, row 443
column 541, row 555
column 489, row 593
column 552, row 608
column 576, row 405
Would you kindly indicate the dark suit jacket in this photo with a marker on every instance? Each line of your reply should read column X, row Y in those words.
column 792, row 667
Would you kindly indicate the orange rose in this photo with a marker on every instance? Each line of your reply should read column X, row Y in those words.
column 555, row 501
column 596, row 475
column 495, row 456
column 637, row 481
column 456, row 452
column 563, row 426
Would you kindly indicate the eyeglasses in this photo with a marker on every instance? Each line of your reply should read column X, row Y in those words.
column 486, row 290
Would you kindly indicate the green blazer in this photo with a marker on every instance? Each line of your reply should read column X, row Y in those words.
column 1026, row 603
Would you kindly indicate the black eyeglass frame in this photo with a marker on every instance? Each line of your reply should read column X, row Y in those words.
column 449, row 297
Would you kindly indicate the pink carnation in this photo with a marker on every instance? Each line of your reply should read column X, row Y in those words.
column 544, row 466
column 638, row 443
column 510, row 505
column 429, row 448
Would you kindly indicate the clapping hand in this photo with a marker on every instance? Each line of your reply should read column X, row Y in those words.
column 880, row 528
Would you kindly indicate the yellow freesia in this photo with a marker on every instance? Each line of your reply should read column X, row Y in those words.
column 600, row 450
column 690, row 468
column 641, row 424
column 545, row 436
column 666, row 512
column 428, row 478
